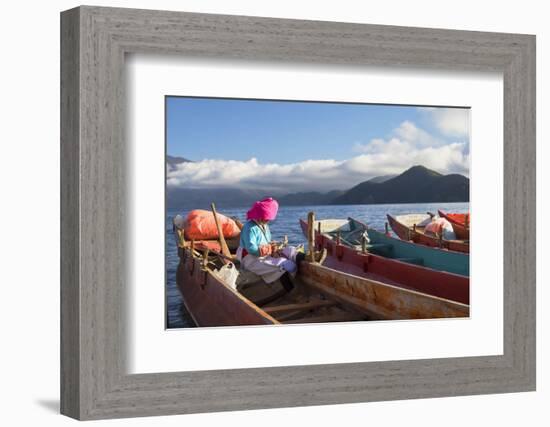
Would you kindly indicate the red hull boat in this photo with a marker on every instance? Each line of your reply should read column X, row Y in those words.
column 460, row 223
column 403, row 274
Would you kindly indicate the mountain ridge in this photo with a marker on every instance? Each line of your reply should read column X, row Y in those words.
column 417, row 184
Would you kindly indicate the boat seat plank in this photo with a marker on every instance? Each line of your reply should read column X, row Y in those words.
column 333, row 317
column 299, row 306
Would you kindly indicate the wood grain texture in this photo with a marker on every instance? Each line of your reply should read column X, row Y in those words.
column 94, row 382
column 70, row 292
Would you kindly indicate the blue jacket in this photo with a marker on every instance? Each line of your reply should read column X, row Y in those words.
column 252, row 237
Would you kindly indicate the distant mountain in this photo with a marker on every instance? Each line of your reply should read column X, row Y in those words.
column 309, row 198
column 186, row 198
column 416, row 185
column 381, row 179
column 190, row 198
column 173, row 161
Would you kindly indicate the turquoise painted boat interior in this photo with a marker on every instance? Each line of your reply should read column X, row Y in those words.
column 387, row 246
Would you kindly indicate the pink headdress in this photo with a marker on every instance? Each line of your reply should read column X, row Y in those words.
column 264, row 210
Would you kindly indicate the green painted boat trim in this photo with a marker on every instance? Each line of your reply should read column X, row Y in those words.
column 390, row 247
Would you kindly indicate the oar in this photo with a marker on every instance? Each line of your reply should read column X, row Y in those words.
column 223, row 244
column 311, row 236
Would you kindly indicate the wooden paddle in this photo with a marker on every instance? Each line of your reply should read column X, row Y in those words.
column 311, row 236
column 223, row 244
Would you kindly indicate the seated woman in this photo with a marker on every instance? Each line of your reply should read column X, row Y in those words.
column 259, row 254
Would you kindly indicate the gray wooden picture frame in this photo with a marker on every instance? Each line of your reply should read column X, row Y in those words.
column 94, row 41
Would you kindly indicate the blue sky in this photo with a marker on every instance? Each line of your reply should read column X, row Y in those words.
column 246, row 143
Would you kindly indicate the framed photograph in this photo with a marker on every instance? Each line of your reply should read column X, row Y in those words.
column 274, row 165
column 262, row 213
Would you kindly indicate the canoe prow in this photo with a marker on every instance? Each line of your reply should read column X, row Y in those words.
column 459, row 222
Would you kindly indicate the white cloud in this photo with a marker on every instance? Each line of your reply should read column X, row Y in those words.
column 251, row 174
column 454, row 122
column 408, row 131
column 395, row 155
column 408, row 146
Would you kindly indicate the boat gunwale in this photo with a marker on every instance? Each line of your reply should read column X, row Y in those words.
column 420, row 278
column 458, row 228
column 406, row 264
column 449, row 218
column 465, row 254
column 398, row 288
column 455, row 305
column 219, row 282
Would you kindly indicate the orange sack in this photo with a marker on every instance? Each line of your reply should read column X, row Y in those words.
column 200, row 225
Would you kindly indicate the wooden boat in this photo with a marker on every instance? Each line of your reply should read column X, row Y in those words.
column 391, row 260
column 411, row 228
column 321, row 295
column 460, row 223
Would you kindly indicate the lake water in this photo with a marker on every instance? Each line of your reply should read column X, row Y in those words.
column 287, row 224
